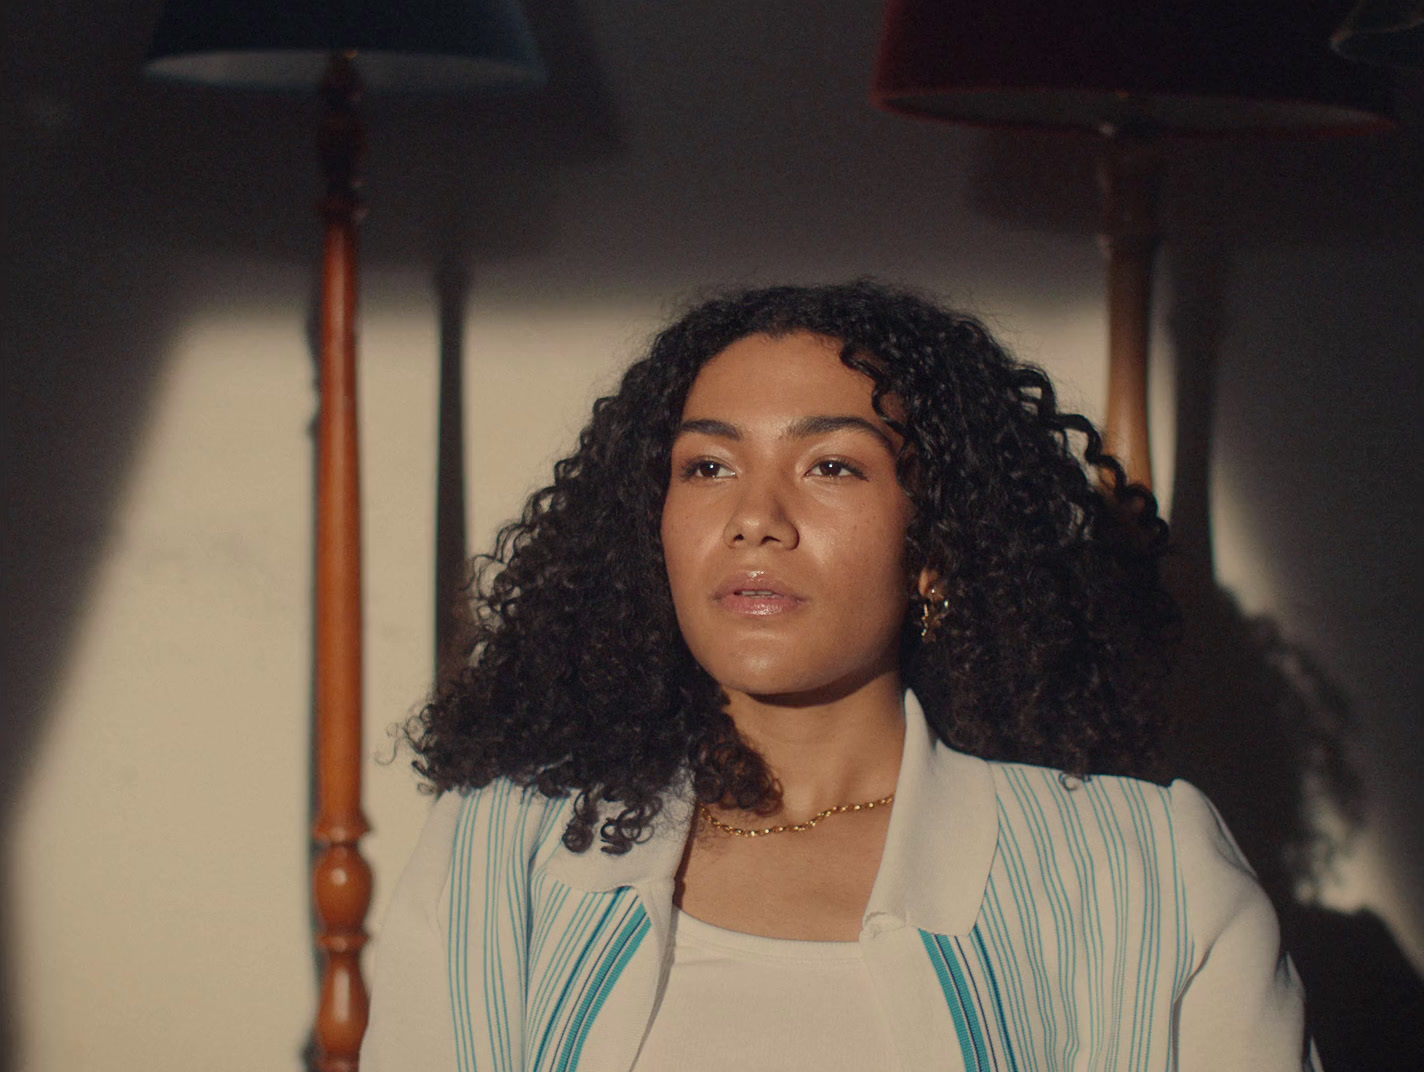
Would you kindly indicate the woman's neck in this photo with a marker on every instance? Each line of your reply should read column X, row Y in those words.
column 827, row 750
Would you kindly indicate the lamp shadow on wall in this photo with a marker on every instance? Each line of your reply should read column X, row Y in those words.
column 1260, row 726
column 76, row 395
column 126, row 186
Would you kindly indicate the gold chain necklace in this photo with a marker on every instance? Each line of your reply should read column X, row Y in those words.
column 792, row 828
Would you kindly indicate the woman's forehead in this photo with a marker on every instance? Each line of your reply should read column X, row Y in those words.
column 792, row 376
column 780, row 373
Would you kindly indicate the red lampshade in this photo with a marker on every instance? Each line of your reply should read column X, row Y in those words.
column 1197, row 67
column 1383, row 31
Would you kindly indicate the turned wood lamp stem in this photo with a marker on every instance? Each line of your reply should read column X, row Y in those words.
column 1130, row 176
column 341, row 879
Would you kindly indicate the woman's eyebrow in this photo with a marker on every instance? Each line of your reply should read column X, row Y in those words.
column 801, row 428
column 708, row 426
column 805, row 427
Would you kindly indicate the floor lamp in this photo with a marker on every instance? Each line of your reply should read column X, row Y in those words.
column 339, row 49
column 1131, row 73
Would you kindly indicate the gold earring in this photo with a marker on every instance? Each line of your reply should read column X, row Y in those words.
column 933, row 612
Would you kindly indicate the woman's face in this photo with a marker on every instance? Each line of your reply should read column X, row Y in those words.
column 783, row 526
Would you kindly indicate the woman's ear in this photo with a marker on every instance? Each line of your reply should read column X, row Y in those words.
column 927, row 584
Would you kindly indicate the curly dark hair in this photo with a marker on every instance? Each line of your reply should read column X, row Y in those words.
column 578, row 681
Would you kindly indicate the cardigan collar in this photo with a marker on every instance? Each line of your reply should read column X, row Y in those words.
column 944, row 831
column 938, row 850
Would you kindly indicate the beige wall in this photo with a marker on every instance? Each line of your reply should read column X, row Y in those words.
column 159, row 858
column 158, row 467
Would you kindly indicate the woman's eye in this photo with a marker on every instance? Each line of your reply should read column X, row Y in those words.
column 704, row 469
column 834, row 467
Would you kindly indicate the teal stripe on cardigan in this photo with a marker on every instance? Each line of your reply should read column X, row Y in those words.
column 986, row 966
column 1186, row 947
column 495, row 921
column 578, row 921
column 458, row 952
column 615, row 959
column 1056, row 895
column 556, row 1021
column 597, row 963
column 1149, row 964
column 1016, row 871
column 484, row 894
column 992, row 929
column 961, row 1008
column 549, row 908
column 989, row 1012
column 1098, row 853
column 547, row 821
column 1077, row 847
column 1114, row 850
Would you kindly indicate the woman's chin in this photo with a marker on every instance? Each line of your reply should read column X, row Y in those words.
column 785, row 687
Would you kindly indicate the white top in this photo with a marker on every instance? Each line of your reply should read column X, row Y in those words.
column 1019, row 921
column 751, row 1003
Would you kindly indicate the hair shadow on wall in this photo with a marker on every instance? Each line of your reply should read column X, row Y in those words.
column 1265, row 733
column 1263, row 729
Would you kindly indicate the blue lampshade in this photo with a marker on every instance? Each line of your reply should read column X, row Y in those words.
column 410, row 45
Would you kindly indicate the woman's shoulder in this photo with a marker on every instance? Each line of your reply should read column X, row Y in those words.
column 503, row 819
column 1026, row 785
column 1045, row 803
column 470, row 836
column 1145, row 875
column 1171, row 830
column 1023, row 786
column 514, row 813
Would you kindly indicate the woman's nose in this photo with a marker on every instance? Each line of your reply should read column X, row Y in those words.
column 761, row 514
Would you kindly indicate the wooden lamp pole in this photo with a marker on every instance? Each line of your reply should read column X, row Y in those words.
column 1130, row 176
column 1136, row 72
column 440, row 47
column 341, row 879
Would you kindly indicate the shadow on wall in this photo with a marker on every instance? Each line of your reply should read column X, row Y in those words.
column 1262, row 729
column 117, row 190
column 1266, row 735
column 118, row 193
column 75, row 392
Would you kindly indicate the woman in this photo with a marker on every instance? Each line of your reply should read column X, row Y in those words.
column 693, row 819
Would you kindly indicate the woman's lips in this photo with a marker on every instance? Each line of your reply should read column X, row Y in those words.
column 758, row 604
column 756, row 596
